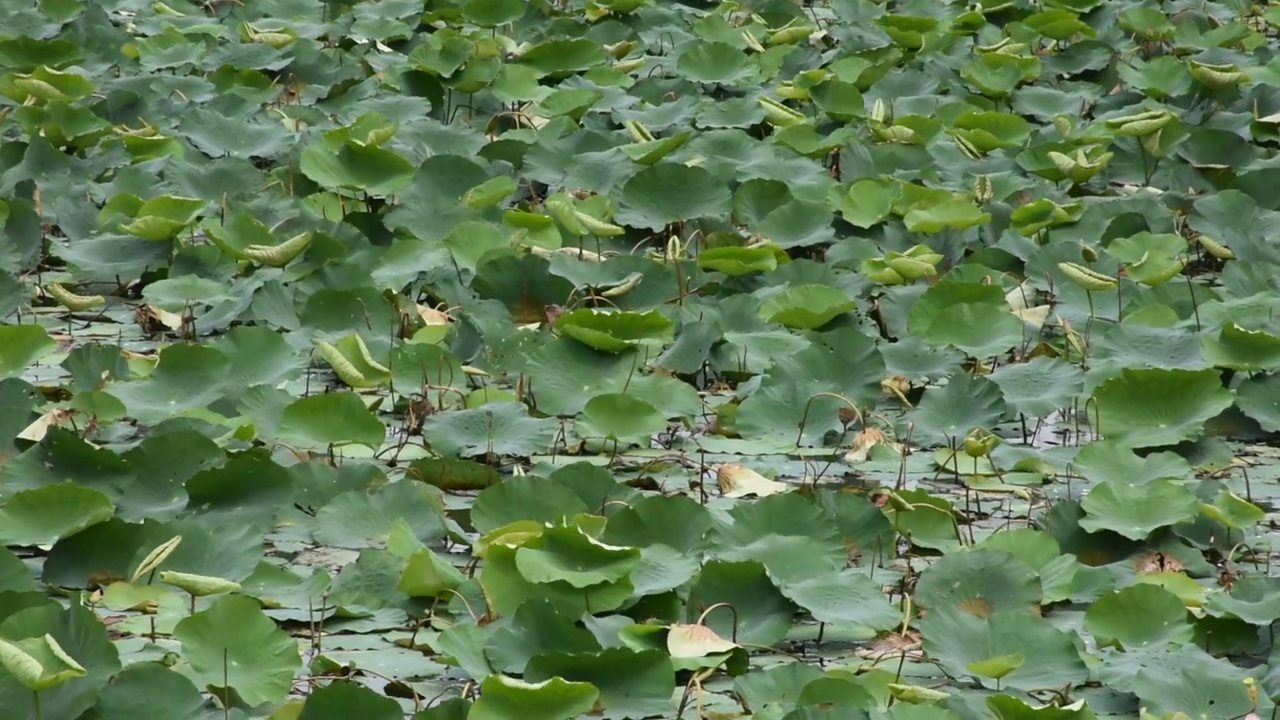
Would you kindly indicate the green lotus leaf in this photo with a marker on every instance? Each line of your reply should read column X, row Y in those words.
column 537, row 627
column 669, row 193
column 613, row 331
column 39, row 663
column 185, row 378
column 1233, row 511
column 506, row 587
column 562, row 56
column 650, row 152
column 838, row 99
column 762, row 611
column 1259, row 398
column 947, row 215
column 972, row 317
column 492, row 13
column 1241, row 349
column 524, row 498
column 1059, row 24
column 21, row 345
column 924, row 520
column 162, row 218
column 1146, row 407
column 79, row 635
column 1039, row 387
column 1138, row 616
column 143, row 686
column 570, row 556
column 947, row 414
column 43, row 515
column 738, row 261
column 234, row 644
column 980, row 582
column 997, row 667
column 714, row 62
column 369, row 168
column 1253, row 599
column 429, row 575
column 865, row 203
column 989, row 131
column 44, row 84
column 1041, row 214
column 998, row 74
column 1135, row 510
column 343, row 698
column 1007, row 707
column 330, row 419
column 806, row 307
column 622, row 417
column 504, row 698
column 1203, row 687
column 631, row 683
column 956, row 639
column 1109, row 460
column 849, row 597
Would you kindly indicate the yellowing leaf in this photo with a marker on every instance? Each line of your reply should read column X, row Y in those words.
column 739, row 481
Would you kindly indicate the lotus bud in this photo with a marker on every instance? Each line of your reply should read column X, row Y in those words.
column 878, row 111
column 980, row 443
column 1064, row 126
column 1088, row 254
column 982, row 189
column 971, row 151
column 751, row 41
column 791, row 92
column 629, row 66
column 620, row 49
